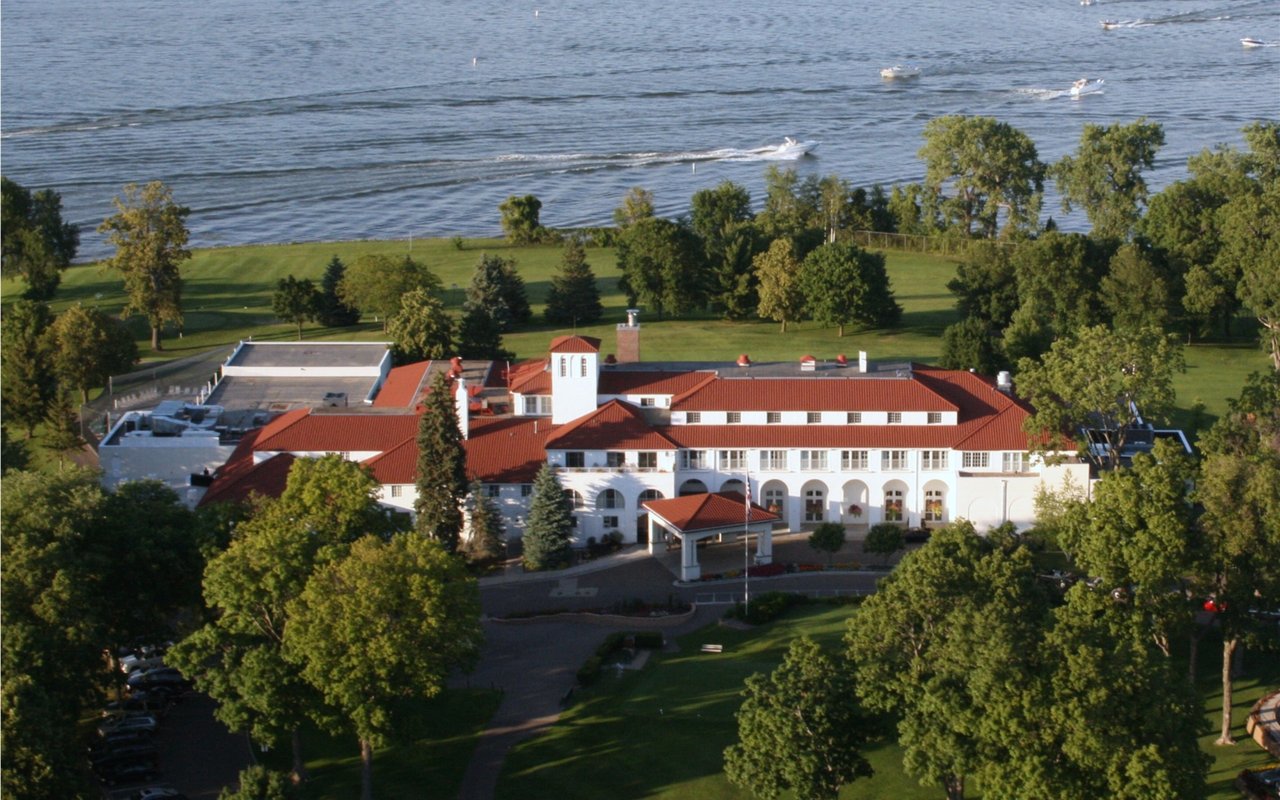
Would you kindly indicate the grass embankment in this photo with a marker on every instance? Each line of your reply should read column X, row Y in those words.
column 227, row 297
column 427, row 758
column 660, row 732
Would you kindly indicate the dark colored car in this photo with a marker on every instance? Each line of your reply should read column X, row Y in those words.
column 156, row 678
column 128, row 771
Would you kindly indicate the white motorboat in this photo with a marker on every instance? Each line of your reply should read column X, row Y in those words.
column 1249, row 41
column 1110, row 24
column 1086, row 86
column 900, row 71
column 792, row 148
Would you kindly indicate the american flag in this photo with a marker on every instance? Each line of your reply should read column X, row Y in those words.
column 747, row 506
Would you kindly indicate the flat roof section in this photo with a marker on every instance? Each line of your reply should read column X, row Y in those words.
column 309, row 354
column 238, row 392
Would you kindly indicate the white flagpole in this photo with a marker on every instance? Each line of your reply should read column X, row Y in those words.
column 746, row 559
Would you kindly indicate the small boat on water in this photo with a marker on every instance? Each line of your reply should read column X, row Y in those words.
column 1249, row 41
column 900, row 71
column 791, row 148
column 1086, row 86
column 1110, row 24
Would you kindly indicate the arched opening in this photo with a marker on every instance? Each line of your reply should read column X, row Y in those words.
column 854, row 508
column 895, row 502
column 814, row 497
column 642, row 516
column 774, row 496
column 610, row 498
column 575, row 500
column 935, row 503
column 692, row 486
column 734, row 485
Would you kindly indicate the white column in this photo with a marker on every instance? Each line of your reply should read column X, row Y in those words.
column 653, row 537
column 689, row 569
column 764, row 546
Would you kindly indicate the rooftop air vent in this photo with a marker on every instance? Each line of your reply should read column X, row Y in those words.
column 744, row 360
column 808, row 363
column 842, row 361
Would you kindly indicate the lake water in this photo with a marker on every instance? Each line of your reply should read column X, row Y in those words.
column 294, row 120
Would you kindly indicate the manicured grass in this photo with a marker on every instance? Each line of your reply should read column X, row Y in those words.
column 660, row 732
column 427, row 759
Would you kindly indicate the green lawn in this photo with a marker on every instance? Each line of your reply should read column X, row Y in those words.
column 427, row 760
column 660, row 732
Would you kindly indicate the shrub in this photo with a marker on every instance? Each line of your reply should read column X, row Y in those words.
column 768, row 607
column 650, row 640
column 589, row 673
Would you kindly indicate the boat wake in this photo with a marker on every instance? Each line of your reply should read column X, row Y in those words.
column 1186, row 17
column 786, row 151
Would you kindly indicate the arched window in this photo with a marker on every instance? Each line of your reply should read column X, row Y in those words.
column 934, row 509
column 775, row 499
column 611, row 498
column 575, row 500
column 815, row 504
column 650, row 494
column 893, row 508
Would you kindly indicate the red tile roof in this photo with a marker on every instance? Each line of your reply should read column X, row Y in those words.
column 304, row 431
column 531, row 377
column 507, row 449
column 399, row 464
column 575, row 344
column 812, row 436
column 812, row 394
column 700, row 512
column 621, row 381
column 613, row 426
column 240, row 477
column 403, row 386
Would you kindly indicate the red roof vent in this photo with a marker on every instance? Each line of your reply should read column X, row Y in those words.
column 744, row 360
column 808, row 363
column 611, row 359
column 842, row 361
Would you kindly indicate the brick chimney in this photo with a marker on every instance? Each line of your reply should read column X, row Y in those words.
column 629, row 338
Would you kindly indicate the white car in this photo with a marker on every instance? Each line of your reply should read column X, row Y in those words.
column 131, row 664
column 144, row 723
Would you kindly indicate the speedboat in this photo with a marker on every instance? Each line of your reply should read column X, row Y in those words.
column 1086, row 86
column 791, row 148
column 1108, row 24
column 900, row 71
column 1249, row 41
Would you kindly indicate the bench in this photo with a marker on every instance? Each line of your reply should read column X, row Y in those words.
column 713, row 648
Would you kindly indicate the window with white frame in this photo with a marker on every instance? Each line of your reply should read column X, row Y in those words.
column 611, row 498
column 397, row 490
column 935, row 417
column 976, row 460
column 564, row 367
column 692, row 417
column 733, row 417
column 610, row 522
column 537, row 405
column 733, row 460
column 526, row 490
column 934, row 509
column 615, row 459
column 647, row 459
column 575, row 459
column 813, row 460
column 775, row 500
column 815, row 504
column 933, row 459
column 813, row 418
column 582, row 369
column 647, row 402
column 895, row 417
column 492, row 490
column 853, row 459
column 893, row 507
column 575, row 500
column 893, row 459
column 773, row 459
column 773, row 417
column 853, row 417
column 694, row 459
column 1013, row 462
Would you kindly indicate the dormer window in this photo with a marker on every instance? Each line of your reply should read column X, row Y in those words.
column 733, row 417
column 853, row 418
column 692, row 417
column 814, row 418
column 773, row 417
column 935, row 417
column 895, row 417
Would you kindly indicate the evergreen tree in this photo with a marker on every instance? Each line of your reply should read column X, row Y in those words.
column 487, row 536
column 574, row 298
column 26, row 367
column 442, row 466
column 549, row 533
column 63, row 432
column 330, row 310
column 499, row 289
column 37, row 244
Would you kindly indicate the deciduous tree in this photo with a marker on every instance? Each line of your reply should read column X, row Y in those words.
column 574, row 298
column 295, row 301
column 1104, row 177
column 1134, row 291
column 637, row 205
column 88, row 347
column 781, row 296
column 662, row 266
column 390, row 620
column 982, row 168
column 1099, row 380
column 421, row 328
column 37, row 245
column 520, row 219
column 442, row 466
column 972, row 344
column 549, row 531
column 149, row 232
column 845, row 285
column 800, row 728
column 883, row 539
column 376, row 284
column 828, row 538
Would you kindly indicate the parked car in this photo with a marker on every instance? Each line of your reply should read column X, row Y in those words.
column 138, row 703
column 105, row 756
column 129, row 771
column 164, row 676
column 144, row 723
column 117, row 739
column 132, row 663
column 158, row 793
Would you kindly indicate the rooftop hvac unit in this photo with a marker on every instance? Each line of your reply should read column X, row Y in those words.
column 335, row 400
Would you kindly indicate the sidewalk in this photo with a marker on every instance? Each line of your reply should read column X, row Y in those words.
column 515, row 572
